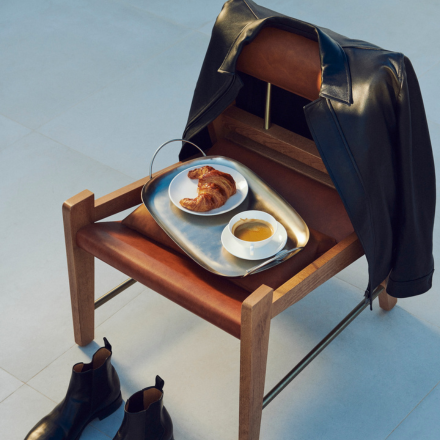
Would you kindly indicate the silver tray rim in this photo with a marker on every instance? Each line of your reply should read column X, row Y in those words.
column 180, row 168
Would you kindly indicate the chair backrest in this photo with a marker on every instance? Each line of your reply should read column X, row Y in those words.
column 290, row 62
column 274, row 54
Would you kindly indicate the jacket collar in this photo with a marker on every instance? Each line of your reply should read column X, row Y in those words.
column 335, row 71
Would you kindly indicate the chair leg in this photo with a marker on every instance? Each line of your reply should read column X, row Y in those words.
column 78, row 212
column 255, row 328
column 386, row 302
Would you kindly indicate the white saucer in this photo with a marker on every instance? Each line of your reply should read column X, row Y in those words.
column 182, row 186
column 277, row 243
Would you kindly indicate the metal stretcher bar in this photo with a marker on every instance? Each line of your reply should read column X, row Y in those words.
column 320, row 347
column 112, row 293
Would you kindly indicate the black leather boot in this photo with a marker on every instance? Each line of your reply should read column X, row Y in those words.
column 145, row 417
column 94, row 391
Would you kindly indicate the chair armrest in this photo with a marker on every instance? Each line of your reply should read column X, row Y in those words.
column 117, row 201
column 326, row 266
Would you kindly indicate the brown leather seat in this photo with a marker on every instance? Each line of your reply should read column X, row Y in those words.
column 174, row 276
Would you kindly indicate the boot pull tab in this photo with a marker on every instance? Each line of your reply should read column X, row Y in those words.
column 159, row 383
column 107, row 344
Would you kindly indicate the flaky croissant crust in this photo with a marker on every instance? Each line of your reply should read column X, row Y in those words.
column 214, row 189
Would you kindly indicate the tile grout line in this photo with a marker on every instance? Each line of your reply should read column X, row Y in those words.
column 419, row 318
column 428, row 70
column 39, row 392
column 17, row 140
column 84, row 155
column 9, row 395
column 54, row 360
column 94, row 427
column 350, row 284
column 15, row 377
column 72, row 346
column 401, row 308
column 174, row 23
column 412, row 410
column 50, row 363
column 125, row 305
column 97, row 91
column 13, row 120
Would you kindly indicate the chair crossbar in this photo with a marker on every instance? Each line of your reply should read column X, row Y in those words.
column 319, row 347
column 112, row 293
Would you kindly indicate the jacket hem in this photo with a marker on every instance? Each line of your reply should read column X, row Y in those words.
column 405, row 289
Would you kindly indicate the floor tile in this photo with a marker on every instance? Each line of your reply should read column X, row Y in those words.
column 21, row 411
column 356, row 274
column 378, row 369
column 10, row 132
column 38, row 174
column 54, row 379
column 64, row 52
column 91, row 433
column 207, row 28
column 430, row 91
column 423, row 422
column 125, row 123
column 434, row 132
column 155, row 336
column 8, row 384
column 402, row 26
column 191, row 13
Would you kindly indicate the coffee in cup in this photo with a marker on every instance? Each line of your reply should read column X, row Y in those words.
column 252, row 229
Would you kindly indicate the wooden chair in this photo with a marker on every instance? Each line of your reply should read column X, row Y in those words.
column 244, row 315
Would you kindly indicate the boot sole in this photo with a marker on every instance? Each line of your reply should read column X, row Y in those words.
column 109, row 410
column 104, row 413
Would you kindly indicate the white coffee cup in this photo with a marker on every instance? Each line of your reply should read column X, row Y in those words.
column 252, row 215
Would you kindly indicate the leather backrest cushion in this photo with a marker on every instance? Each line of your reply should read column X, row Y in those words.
column 274, row 54
column 141, row 221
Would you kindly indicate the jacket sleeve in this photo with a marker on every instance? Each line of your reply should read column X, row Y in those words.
column 413, row 263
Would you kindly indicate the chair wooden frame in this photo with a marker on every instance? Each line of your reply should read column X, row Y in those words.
column 276, row 143
column 264, row 303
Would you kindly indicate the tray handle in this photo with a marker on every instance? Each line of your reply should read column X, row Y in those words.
column 169, row 142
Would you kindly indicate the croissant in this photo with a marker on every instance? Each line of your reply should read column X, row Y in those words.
column 199, row 172
column 214, row 188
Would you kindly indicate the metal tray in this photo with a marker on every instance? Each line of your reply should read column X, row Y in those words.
column 200, row 236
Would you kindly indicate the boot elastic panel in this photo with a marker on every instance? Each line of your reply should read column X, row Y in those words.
column 97, row 361
column 142, row 400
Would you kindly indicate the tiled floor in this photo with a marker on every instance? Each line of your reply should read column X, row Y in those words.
column 88, row 92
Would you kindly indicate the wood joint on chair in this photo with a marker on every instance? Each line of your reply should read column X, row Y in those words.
column 326, row 266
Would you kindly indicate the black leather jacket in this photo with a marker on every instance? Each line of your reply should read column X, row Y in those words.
column 369, row 126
